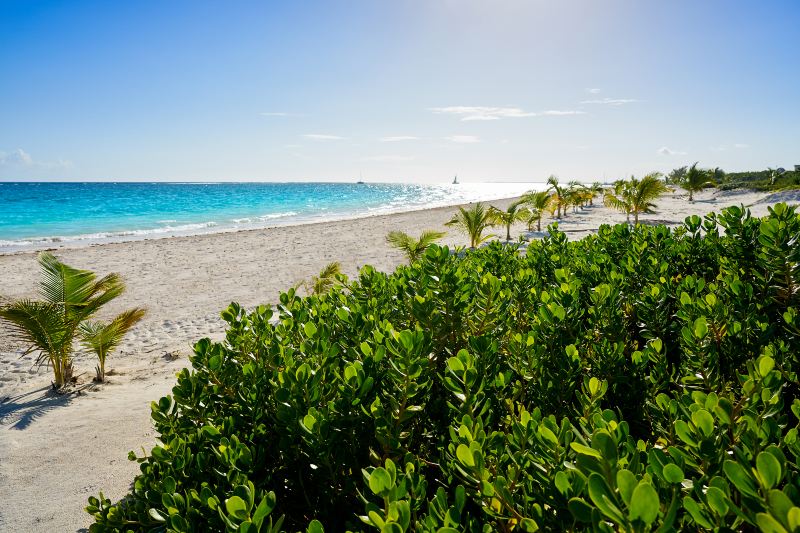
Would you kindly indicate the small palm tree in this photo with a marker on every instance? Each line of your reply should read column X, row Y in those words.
column 327, row 279
column 636, row 196
column 595, row 189
column 537, row 203
column 695, row 180
column 515, row 211
column 70, row 297
column 103, row 338
column 559, row 200
column 473, row 221
column 411, row 247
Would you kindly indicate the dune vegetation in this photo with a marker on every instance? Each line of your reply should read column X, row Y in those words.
column 641, row 379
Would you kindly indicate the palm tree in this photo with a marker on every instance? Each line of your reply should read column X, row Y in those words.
column 595, row 189
column 49, row 326
column 515, row 211
column 695, row 180
column 473, row 221
column 326, row 280
column 637, row 196
column 558, row 195
column 619, row 198
column 103, row 338
column 411, row 247
column 537, row 202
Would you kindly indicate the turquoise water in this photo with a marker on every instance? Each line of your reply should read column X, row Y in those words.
column 36, row 215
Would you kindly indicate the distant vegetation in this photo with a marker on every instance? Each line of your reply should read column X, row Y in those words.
column 51, row 326
column 640, row 379
column 771, row 179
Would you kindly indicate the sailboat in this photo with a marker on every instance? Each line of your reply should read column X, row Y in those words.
column 455, row 180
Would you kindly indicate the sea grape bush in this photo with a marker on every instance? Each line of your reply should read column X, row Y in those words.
column 641, row 379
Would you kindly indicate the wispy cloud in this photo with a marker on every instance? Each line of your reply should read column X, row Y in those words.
column 322, row 137
column 560, row 113
column 741, row 145
column 592, row 90
column 463, row 139
column 496, row 113
column 21, row 158
column 610, row 101
column 398, row 138
column 388, row 158
column 667, row 151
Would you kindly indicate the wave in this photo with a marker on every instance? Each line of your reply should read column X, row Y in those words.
column 106, row 235
column 263, row 218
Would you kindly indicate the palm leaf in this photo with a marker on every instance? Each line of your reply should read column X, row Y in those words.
column 39, row 325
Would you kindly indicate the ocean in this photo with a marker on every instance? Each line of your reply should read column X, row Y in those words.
column 40, row 215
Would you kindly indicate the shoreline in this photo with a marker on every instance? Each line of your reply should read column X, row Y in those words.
column 89, row 242
column 254, row 221
column 185, row 282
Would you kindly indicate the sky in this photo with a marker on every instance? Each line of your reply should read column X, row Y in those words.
column 402, row 90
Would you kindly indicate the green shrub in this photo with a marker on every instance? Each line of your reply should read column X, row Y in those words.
column 641, row 379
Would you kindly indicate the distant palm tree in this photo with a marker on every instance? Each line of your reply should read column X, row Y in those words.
column 636, row 196
column 595, row 189
column 515, row 212
column 676, row 175
column 695, row 180
column 537, row 203
column 411, row 247
column 473, row 221
column 326, row 280
column 103, row 338
column 49, row 326
column 559, row 200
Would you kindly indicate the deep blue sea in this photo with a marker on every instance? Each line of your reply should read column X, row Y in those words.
column 38, row 215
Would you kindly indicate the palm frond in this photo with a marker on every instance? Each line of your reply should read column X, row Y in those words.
column 39, row 325
column 429, row 237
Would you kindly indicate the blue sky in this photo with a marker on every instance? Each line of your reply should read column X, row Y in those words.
column 404, row 90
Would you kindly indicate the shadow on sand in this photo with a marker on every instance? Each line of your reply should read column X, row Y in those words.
column 21, row 410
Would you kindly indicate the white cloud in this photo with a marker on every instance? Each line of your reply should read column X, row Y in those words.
column 468, row 113
column 559, row 113
column 592, row 91
column 322, row 137
column 741, row 145
column 667, row 151
column 17, row 157
column 398, row 138
column 610, row 101
column 464, row 139
column 20, row 158
column 388, row 158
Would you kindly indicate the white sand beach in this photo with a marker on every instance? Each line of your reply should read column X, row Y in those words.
column 56, row 450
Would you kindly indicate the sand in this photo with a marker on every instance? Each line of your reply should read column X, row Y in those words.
column 56, row 450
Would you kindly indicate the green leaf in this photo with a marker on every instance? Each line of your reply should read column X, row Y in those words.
column 581, row 511
column 315, row 526
column 718, row 501
column 644, row 503
column 769, row 469
column 464, row 455
column 380, row 481
column 704, row 421
column 309, row 329
column 236, row 507
column 700, row 327
column 765, row 365
column 739, row 477
column 767, row 524
column 626, row 483
column 585, row 450
column 673, row 473
column 601, row 496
